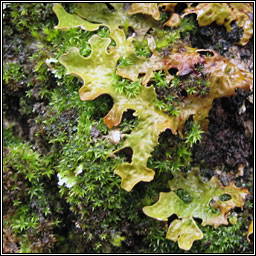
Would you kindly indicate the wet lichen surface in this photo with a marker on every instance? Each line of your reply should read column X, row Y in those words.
column 136, row 111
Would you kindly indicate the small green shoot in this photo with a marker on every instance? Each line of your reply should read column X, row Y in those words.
column 194, row 135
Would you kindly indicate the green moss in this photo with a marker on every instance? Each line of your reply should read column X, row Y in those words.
column 226, row 239
column 30, row 13
column 141, row 48
column 12, row 73
column 194, row 135
column 26, row 201
column 165, row 39
column 188, row 25
column 130, row 89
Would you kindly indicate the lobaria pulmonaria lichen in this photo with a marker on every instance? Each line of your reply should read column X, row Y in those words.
column 100, row 72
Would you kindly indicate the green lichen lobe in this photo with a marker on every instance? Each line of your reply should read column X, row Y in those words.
column 96, row 70
column 185, row 231
column 206, row 199
column 67, row 21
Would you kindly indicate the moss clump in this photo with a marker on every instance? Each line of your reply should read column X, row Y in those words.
column 30, row 212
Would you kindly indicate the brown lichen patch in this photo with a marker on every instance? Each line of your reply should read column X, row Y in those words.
column 224, row 14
